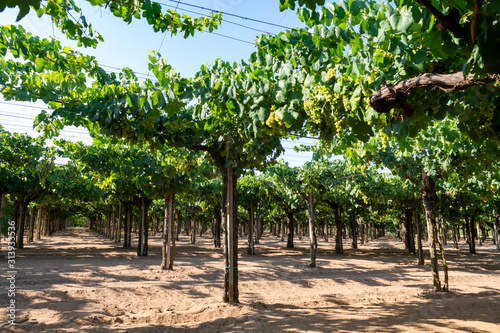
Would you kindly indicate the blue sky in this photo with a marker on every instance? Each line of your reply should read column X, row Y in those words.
column 129, row 46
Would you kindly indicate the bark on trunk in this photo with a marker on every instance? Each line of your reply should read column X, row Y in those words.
column 108, row 224
column 339, row 247
column 455, row 237
column 354, row 233
column 193, row 228
column 429, row 201
column 38, row 222
column 496, row 226
column 393, row 96
column 410, row 236
column 251, row 247
column 443, row 258
column 224, row 221
column 313, row 243
column 283, row 230
column 231, row 240
column 217, row 222
column 420, row 249
column 29, row 236
column 45, row 224
column 20, row 223
column 118, row 231
column 469, row 223
column 142, row 247
column 361, row 231
column 325, row 229
column 39, row 219
column 167, row 232
column 289, row 219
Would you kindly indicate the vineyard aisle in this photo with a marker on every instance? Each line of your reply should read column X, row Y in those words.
column 79, row 281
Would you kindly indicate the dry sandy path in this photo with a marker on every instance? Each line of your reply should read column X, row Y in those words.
column 79, row 281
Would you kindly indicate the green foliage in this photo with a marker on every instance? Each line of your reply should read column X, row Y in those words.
column 24, row 6
column 290, row 4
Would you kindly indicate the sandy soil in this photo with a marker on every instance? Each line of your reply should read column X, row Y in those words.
column 79, row 281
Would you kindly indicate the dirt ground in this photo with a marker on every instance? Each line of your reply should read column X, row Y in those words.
column 79, row 281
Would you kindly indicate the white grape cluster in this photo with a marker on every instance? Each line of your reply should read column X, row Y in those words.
column 330, row 73
column 385, row 138
column 345, row 102
column 320, row 106
column 316, row 102
column 338, row 124
column 274, row 122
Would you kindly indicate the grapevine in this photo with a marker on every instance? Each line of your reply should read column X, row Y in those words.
column 486, row 112
column 274, row 122
column 330, row 74
column 385, row 138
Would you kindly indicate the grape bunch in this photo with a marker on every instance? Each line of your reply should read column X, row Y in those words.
column 274, row 122
column 323, row 94
column 316, row 102
column 371, row 78
column 385, row 138
column 330, row 74
column 321, row 108
column 345, row 102
column 339, row 126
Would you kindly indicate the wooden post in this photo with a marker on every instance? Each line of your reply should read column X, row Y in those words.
column 251, row 248
column 31, row 226
column 420, row 249
column 167, row 232
column 429, row 201
column 495, row 231
column 231, row 232
column 118, row 235
column 312, row 234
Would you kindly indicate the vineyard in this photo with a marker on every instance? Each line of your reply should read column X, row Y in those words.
column 181, row 213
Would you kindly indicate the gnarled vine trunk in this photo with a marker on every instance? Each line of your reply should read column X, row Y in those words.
column 167, row 263
column 496, row 226
column 251, row 247
column 313, row 243
column 217, row 227
column 193, row 228
column 142, row 246
column 231, row 293
column 410, row 235
column 420, row 249
column 20, row 223
column 429, row 201
column 289, row 219
column 469, row 227
column 354, row 231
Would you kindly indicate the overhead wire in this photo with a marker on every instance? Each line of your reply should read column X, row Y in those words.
column 226, row 13
column 233, row 38
column 224, row 21
column 240, row 17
